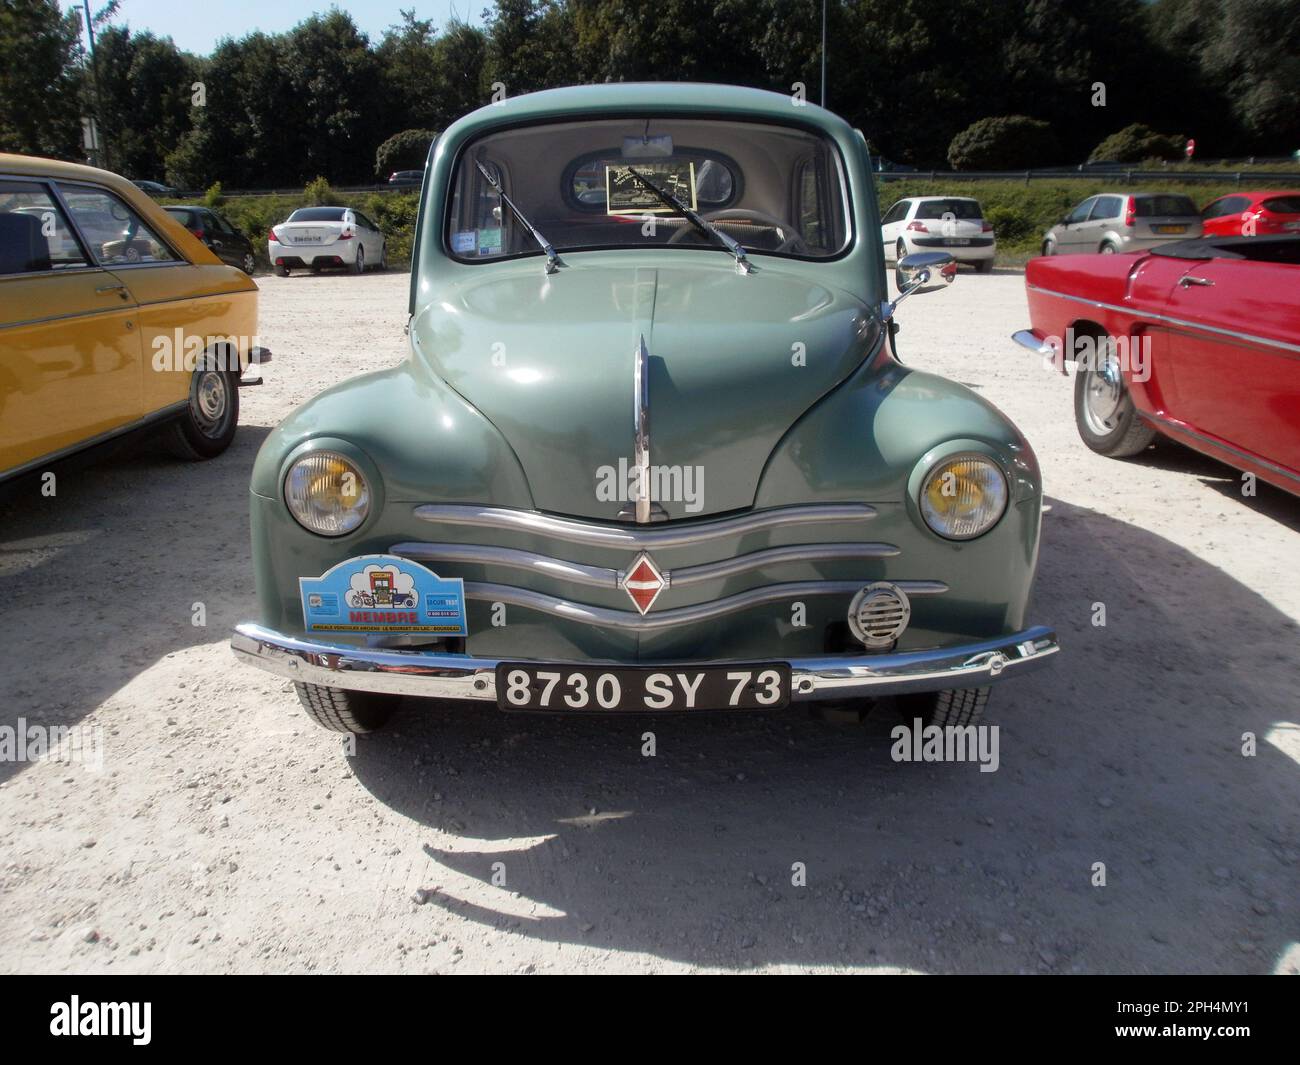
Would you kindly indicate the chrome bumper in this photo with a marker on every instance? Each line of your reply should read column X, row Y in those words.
column 446, row 676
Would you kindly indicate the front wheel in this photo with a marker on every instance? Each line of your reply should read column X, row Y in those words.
column 211, row 416
column 249, row 264
column 346, row 711
column 1104, row 413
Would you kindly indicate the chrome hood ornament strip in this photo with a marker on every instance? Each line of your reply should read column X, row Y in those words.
column 641, row 429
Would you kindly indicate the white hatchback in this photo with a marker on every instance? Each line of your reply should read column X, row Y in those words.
column 316, row 237
column 954, row 224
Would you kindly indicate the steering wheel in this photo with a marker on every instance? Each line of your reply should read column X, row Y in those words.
column 793, row 240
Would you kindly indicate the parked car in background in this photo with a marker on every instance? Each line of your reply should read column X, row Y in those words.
column 216, row 231
column 1123, row 221
column 153, row 188
column 316, row 237
column 1197, row 340
column 1252, row 214
column 954, row 224
column 406, row 177
column 697, row 430
column 89, row 327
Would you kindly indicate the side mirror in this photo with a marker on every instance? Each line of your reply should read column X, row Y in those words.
column 915, row 272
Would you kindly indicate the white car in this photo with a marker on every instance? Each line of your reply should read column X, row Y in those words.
column 315, row 237
column 954, row 224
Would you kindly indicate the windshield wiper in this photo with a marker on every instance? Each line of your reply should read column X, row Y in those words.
column 704, row 226
column 552, row 260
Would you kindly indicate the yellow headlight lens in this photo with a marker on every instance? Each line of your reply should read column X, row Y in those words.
column 326, row 493
column 963, row 496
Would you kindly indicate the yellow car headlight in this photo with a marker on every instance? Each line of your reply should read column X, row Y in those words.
column 963, row 496
column 326, row 493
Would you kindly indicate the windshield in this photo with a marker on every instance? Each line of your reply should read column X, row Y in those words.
column 317, row 214
column 592, row 184
column 964, row 209
column 1164, row 206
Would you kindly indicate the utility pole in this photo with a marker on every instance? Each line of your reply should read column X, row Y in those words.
column 98, row 135
column 823, row 53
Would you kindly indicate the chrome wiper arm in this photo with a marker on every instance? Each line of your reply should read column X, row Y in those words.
column 552, row 260
column 699, row 222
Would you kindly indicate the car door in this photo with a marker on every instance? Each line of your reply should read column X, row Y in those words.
column 1102, row 219
column 1234, row 353
column 892, row 225
column 1222, row 218
column 70, row 349
column 174, row 324
column 374, row 239
column 236, row 243
column 1071, row 231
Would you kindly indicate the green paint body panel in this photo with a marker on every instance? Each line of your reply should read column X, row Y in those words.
column 519, row 387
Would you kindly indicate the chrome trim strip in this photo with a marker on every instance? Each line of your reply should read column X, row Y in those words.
column 1249, row 338
column 608, row 577
column 1026, row 339
column 630, row 621
column 447, row 676
column 641, row 429
column 572, row 531
column 1178, row 427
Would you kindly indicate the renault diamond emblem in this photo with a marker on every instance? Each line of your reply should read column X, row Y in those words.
column 643, row 582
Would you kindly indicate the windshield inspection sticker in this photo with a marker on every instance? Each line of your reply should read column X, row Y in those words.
column 489, row 241
column 465, row 240
column 626, row 195
column 382, row 593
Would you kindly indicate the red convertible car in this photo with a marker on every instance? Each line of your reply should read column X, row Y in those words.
column 1197, row 340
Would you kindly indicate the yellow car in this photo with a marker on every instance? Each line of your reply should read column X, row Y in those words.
column 113, row 318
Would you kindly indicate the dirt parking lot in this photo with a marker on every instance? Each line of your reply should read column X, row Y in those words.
column 224, row 832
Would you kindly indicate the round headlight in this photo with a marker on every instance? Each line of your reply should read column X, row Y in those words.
column 326, row 493
column 963, row 496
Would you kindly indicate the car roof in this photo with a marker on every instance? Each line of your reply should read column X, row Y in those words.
column 931, row 199
column 688, row 99
column 37, row 167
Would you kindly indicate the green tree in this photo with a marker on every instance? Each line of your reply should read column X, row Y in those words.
column 1011, row 142
column 40, row 81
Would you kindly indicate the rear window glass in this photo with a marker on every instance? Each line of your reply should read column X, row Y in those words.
column 1282, row 205
column 946, row 208
column 184, row 217
column 317, row 214
column 1158, row 206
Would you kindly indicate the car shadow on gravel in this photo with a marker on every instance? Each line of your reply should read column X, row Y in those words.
column 76, row 627
column 1123, row 761
column 1282, row 507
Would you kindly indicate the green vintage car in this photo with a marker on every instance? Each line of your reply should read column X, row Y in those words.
column 652, row 449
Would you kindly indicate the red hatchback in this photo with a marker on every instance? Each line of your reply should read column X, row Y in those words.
column 1252, row 214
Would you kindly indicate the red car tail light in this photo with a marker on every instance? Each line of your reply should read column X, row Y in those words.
column 345, row 236
column 985, row 227
column 271, row 234
column 1130, row 213
column 919, row 227
column 198, row 233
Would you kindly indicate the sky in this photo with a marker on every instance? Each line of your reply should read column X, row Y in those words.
column 197, row 26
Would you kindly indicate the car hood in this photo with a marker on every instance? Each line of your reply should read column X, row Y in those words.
column 733, row 362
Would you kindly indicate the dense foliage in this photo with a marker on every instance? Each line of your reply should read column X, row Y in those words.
column 1137, row 142
column 275, row 110
column 1011, row 142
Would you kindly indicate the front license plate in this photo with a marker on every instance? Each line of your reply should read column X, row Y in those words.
column 528, row 686
column 1171, row 229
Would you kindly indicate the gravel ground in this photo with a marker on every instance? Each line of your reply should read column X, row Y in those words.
column 225, row 832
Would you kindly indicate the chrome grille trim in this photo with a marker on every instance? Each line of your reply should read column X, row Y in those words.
column 630, row 621
column 594, row 534
column 608, row 577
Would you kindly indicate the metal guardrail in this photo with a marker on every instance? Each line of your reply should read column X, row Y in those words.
column 1261, row 177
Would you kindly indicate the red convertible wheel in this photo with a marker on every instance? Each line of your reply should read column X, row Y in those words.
column 1103, row 410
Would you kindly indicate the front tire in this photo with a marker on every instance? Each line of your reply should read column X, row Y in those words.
column 346, row 711
column 211, row 416
column 952, row 706
column 1104, row 413
column 249, row 264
